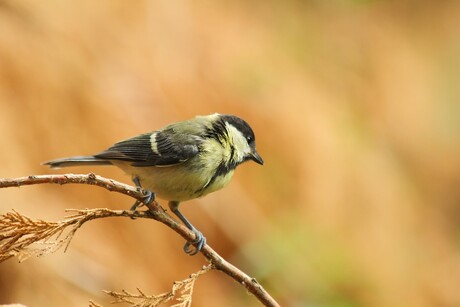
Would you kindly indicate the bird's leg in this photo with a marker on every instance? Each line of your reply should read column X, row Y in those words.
column 199, row 241
column 148, row 198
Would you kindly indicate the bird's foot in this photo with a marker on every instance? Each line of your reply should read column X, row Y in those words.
column 149, row 196
column 199, row 242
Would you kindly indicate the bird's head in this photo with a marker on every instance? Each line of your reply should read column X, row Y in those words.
column 241, row 139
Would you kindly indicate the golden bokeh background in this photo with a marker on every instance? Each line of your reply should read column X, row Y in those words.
column 356, row 109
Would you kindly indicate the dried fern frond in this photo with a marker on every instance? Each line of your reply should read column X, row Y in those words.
column 92, row 304
column 18, row 233
column 182, row 287
column 24, row 237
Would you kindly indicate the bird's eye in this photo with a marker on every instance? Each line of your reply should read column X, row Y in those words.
column 249, row 139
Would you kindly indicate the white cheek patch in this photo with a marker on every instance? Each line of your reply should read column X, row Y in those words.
column 238, row 140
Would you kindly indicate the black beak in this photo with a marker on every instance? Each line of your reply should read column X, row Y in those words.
column 254, row 156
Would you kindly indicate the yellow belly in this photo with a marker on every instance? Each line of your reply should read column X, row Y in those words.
column 178, row 182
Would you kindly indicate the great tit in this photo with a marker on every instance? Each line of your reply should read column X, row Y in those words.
column 181, row 161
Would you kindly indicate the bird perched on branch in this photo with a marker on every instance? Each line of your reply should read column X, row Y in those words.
column 181, row 161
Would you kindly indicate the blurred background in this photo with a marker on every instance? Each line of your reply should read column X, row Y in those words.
column 355, row 105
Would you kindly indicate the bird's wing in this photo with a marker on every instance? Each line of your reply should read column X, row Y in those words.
column 160, row 148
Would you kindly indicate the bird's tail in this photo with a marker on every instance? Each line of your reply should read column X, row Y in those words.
column 77, row 161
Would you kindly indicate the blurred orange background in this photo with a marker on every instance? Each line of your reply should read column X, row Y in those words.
column 355, row 106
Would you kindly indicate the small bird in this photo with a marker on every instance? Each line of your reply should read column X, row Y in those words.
column 182, row 161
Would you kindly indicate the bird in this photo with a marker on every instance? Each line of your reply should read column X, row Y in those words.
column 182, row 161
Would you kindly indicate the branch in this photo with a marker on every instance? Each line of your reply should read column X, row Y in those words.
column 18, row 232
column 91, row 179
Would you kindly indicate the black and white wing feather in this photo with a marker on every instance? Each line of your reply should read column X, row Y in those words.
column 159, row 148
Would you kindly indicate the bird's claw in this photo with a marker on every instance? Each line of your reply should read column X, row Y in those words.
column 199, row 242
column 149, row 196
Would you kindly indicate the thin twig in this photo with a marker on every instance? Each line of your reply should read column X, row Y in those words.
column 155, row 211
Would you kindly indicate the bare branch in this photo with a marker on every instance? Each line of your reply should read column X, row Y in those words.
column 18, row 233
column 90, row 179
